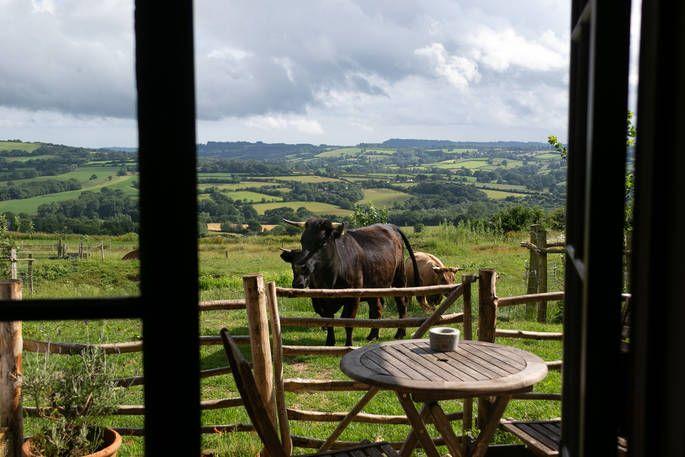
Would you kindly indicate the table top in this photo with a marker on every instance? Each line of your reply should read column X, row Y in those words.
column 475, row 368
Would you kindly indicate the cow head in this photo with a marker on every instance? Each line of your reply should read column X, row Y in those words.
column 317, row 233
column 446, row 274
column 301, row 272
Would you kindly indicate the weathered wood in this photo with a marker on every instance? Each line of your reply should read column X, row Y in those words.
column 77, row 348
column 418, row 427
column 537, row 396
column 533, row 253
column 490, row 426
column 487, row 323
column 338, row 351
column 542, row 438
column 554, row 365
column 467, row 422
column 258, row 327
column 348, row 418
column 321, row 385
column 542, row 275
column 11, row 420
column 313, row 443
column 523, row 299
column 443, row 425
column 214, row 305
column 13, row 264
column 475, row 368
column 525, row 334
column 316, row 322
column 437, row 314
column 139, row 410
column 205, row 429
column 277, row 350
column 365, row 293
column 367, row 418
column 140, row 380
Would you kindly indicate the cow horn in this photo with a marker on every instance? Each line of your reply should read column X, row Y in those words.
column 293, row 223
column 286, row 250
column 446, row 269
column 337, row 225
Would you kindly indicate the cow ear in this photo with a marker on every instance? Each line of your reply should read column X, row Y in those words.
column 287, row 256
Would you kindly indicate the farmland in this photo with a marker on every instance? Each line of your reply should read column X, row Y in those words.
column 417, row 181
column 220, row 278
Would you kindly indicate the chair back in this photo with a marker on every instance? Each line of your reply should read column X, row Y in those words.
column 254, row 405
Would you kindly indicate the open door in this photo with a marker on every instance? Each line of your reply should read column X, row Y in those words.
column 594, row 234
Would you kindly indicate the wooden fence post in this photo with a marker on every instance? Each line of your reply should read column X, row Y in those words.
column 11, row 421
column 102, row 251
column 542, row 272
column 13, row 263
column 487, row 323
column 467, row 420
column 260, row 344
column 30, row 273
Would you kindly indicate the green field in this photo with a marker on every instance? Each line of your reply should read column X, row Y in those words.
column 314, row 207
column 500, row 194
column 21, row 146
column 30, row 205
column 236, row 186
column 383, row 198
column 220, row 278
column 303, row 178
column 252, row 196
column 27, row 158
column 340, row 152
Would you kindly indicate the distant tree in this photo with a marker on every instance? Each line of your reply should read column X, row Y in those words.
column 368, row 214
column 25, row 224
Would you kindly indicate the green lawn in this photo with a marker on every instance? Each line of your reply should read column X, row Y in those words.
column 21, row 146
column 303, row 178
column 252, row 196
column 30, row 205
column 222, row 263
column 500, row 194
column 383, row 198
column 314, row 207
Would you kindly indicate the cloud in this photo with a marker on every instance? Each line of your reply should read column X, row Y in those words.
column 330, row 71
column 459, row 71
column 506, row 48
column 301, row 124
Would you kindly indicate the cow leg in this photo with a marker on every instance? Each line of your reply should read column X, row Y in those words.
column 350, row 312
column 330, row 333
column 401, row 303
column 375, row 312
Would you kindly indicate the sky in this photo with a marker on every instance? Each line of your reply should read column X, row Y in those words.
column 314, row 71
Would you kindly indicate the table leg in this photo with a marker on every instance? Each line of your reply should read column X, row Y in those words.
column 419, row 428
column 445, row 428
column 412, row 439
column 348, row 418
column 481, row 444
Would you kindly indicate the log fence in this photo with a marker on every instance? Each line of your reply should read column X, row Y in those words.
column 261, row 305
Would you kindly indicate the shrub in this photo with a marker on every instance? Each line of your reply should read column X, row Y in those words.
column 516, row 218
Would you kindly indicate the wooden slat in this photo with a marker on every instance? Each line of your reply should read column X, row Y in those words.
column 365, row 293
column 317, row 322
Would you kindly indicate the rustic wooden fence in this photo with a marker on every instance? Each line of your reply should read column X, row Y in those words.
column 539, row 247
column 267, row 361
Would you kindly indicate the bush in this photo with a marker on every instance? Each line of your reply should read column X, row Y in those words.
column 516, row 218
column 368, row 215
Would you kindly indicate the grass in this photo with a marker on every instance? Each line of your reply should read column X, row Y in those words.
column 237, row 186
column 383, row 198
column 500, row 194
column 21, row 146
column 30, row 205
column 314, row 207
column 222, row 262
column 252, row 196
column 303, row 178
column 340, row 152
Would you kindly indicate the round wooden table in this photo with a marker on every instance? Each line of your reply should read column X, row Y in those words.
column 416, row 373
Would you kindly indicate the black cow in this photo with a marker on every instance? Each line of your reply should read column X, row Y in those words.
column 368, row 257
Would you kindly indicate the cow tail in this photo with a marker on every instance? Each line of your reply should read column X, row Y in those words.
column 417, row 276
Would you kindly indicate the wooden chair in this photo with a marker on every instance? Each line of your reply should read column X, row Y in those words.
column 263, row 425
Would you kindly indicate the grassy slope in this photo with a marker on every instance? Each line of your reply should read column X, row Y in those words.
column 10, row 145
column 383, row 198
column 220, row 278
column 314, row 207
column 30, row 205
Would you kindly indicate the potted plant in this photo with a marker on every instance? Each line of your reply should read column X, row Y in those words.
column 71, row 401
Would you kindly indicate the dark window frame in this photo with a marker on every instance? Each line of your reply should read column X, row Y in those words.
column 168, row 301
column 598, row 106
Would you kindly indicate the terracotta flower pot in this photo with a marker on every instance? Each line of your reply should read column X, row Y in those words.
column 111, row 446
